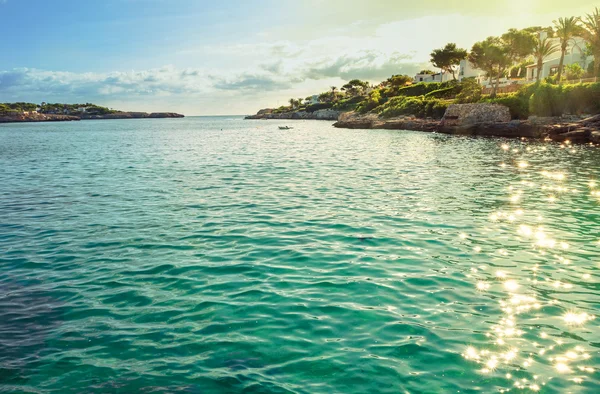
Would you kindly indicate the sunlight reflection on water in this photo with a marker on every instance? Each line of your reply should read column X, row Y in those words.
column 519, row 348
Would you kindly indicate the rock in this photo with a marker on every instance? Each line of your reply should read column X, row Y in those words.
column 326, row 114
column 352, row 120
column 577, row 136
column 37, row 117
column 465, row 115
column 322, row 114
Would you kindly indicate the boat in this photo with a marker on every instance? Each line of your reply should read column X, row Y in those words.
column 285, row 128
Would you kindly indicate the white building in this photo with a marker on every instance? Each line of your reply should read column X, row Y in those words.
column 467, row 70
column 575, row 55
column 439, row 77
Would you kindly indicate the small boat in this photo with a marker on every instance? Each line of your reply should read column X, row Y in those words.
column 285, row 128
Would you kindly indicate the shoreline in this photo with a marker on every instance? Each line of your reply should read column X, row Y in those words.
column 39, row 117
column 585, row 130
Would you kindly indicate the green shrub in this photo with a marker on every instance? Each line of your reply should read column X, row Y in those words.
column 449, row 92
column 574, row 71
column 348, row 104
column 547, row 100
column 516, row 103
column 471, row 91
column 419, row 89
column 370, row 103
column 420, row 107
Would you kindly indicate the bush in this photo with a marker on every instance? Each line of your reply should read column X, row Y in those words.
column 420, row 107
column 471, row 91
column 370, row 103
column 547, row 100
column 449, row 92
column 581, row 98
column 516, row 103
column 419, row 89
column 574, row 71
column 348, row 104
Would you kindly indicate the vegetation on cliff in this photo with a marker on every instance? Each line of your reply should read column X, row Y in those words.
column 506, row 55
column 54, row 109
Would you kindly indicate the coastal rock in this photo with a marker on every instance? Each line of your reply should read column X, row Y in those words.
column 322, row 114
column 466, row 115
column 577, row 136
column 352, row 120
column 37, row 117
column 327, row 114
column 132, row 115
column 512, row 129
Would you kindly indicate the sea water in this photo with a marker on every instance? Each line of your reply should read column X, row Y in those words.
column 208, row 255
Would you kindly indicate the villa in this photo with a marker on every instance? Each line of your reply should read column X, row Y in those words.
column 576, row 54
column 439, row 77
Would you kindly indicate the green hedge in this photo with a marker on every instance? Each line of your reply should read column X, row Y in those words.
column 347, row 104
column 446, row 93
column 420, row 107
column 422, row 88
column 516, row 103
column 544, row 99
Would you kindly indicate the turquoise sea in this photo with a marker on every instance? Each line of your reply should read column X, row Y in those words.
column 217, row 255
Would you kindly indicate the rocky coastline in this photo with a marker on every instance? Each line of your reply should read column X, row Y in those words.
column 40, row 117
column 37, row 117
column 132, row 115
column 322, row 114
column 489, row 120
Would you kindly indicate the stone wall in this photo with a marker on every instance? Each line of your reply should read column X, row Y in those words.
column 464, row 115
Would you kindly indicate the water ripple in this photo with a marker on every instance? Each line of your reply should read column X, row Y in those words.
column 215, row 255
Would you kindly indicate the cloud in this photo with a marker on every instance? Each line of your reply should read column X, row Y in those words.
column 369, row 65
column 252, row 82
column 162, row 81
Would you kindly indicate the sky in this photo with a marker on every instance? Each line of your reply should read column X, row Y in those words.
column 200, row 57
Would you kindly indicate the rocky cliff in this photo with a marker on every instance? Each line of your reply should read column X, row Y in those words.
column 322, row 114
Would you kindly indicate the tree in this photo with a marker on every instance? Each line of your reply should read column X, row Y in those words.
column 491, row 56
column 566, row 29
column 447, row 58
column 591, row 33
column 294, row 103
column 356, row 87
column 574, row 71
column 426, row 72
column 541, row 50
column 398, row 80
column 519, row 45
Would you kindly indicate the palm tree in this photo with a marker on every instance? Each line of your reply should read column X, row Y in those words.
column 566, row 29
column 292, row 102
column 543, row 49
column 591, row 33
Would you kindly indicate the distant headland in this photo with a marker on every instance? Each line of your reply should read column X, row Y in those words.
column 57, row 112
